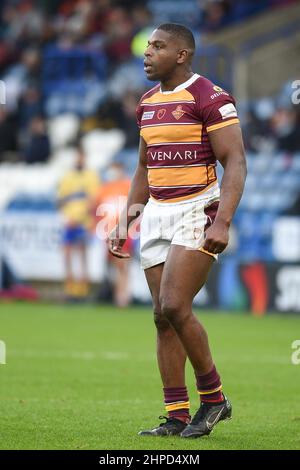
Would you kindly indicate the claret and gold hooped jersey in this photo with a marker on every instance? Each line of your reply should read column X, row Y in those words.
column 175, row 126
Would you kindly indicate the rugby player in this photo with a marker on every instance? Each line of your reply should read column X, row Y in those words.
column 187, row 124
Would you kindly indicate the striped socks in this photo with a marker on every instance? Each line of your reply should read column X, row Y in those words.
column 177, row 403
column 209, row 387
column 177, row 400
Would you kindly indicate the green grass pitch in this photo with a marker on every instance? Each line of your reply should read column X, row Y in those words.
column 85, row 377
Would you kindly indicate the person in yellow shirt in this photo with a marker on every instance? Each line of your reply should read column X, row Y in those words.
column 109, row 201
column 75, row 193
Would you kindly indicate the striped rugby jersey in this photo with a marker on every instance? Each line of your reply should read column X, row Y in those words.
column 175, row 126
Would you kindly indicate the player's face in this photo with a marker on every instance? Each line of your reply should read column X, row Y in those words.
column 161, row 56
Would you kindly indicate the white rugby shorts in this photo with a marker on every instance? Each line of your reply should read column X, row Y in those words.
column 184, row 223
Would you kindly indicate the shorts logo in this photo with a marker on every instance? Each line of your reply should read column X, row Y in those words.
column 178, row 113
column 197, row 233
column 148, row 115
column 161, row 113
column 217, row 88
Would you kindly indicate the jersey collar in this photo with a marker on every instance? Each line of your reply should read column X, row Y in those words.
column 182, row 86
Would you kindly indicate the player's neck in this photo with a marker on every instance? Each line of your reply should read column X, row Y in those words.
column 175, row 81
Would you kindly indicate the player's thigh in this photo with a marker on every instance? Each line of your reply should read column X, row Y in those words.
column 153, row 277
column 185, row 272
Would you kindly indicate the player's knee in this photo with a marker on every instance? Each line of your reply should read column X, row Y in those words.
column 161, row 323
column 171, row 308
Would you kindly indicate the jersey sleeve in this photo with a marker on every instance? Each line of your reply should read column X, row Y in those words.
column 139, row 113
column 217, row 108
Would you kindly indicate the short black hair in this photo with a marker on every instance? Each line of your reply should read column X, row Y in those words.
column 181, row 31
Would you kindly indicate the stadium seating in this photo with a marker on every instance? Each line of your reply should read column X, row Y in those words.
column 63, row 130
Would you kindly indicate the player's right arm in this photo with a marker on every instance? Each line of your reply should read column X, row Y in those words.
column 137, row 199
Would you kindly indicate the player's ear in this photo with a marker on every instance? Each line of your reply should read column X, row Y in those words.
column 182, row 56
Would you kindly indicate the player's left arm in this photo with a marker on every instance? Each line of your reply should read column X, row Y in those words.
column 227, row 145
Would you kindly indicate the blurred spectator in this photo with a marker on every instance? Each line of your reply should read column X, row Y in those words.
column 128, row 123
column 108, row 115
column 30, row 105
column 285, row 125
column 256, row 128
column 109, row 202
column 215, row 15
column 8, row 133
column 142, row 17
column 76, row 191
column 119, row 33
column 270, row 129
column 118, row 114
column 22, row 22
column 99, row 16
column 21, row 75
column 6, row 56
column 127, row 77
column 37, row 149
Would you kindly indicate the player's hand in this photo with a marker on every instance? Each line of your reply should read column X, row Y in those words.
column 115, row 244
column 216, row 237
